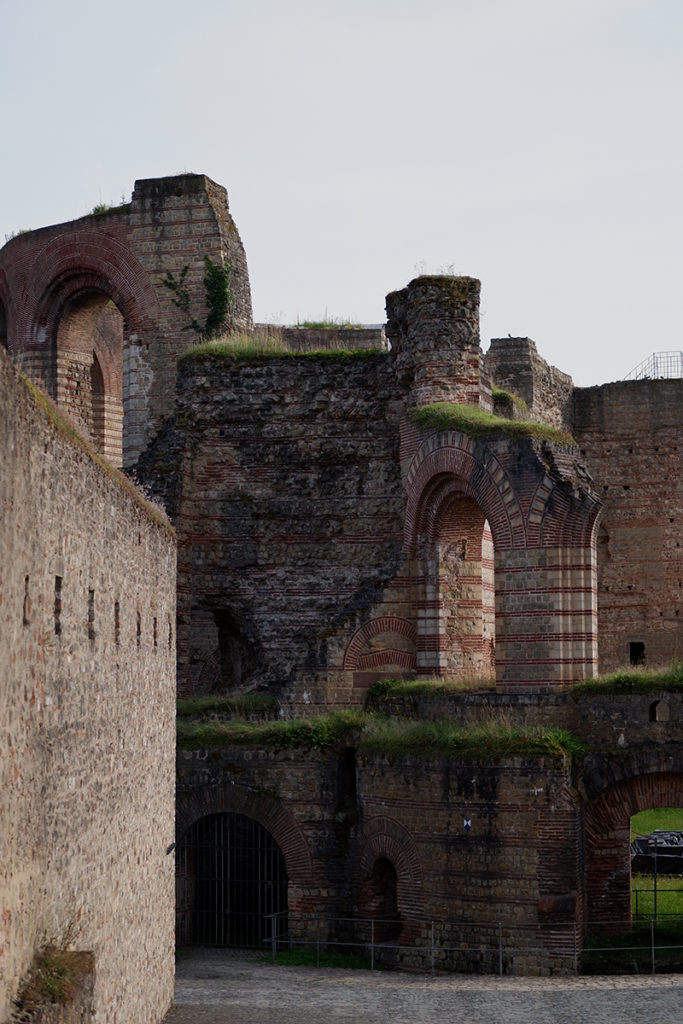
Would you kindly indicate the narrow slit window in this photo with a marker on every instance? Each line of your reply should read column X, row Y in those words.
column 154, row 627
column 170, row 635
column 117, row 623
column 27, row 604
column 58, row 606
column 91, row 615
column 138, row 630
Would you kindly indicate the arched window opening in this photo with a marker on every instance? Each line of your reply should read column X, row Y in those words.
column 459, row 605
column 231, row 883
column 379, row 901
column 89, row 370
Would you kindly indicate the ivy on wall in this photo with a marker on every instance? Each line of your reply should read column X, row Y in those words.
column 217, row 295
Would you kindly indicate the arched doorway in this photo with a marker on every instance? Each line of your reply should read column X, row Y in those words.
column 88, row 348
column 230, row 880
column 456, row 620
column 607, row 829
column 379, row 901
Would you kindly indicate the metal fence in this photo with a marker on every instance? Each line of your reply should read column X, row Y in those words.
column 658, row 366
column 477, row 947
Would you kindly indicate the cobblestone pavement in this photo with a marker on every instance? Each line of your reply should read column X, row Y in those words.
column 213, row 987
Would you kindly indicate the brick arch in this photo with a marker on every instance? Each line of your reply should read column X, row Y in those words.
column 376, row 627
column 264, row 809
column 560, row 518
column 85, row 259
column 450, row 454
column 607, row 827
column 385, row 837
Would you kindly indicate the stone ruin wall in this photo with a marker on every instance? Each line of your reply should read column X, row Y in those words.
column 87, row 717
column 630, row 436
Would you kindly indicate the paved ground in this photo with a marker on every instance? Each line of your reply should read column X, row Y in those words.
column 217, row 988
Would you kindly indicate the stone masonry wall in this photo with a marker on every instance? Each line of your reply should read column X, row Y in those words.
column 516, row 366
column 87, row 645
column 291, row 515
column 629, row 434
column 516, row 866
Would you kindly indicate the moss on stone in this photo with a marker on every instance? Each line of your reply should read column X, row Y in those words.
column 475, row 422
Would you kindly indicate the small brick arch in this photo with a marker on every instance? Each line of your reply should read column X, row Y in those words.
column 353, row 658
column 607, row 828
column 264, row 809
column 385, row 837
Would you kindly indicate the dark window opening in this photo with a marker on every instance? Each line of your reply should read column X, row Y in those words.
column 26, row 617
column 117, row 623
column 58, row 606
column 636, row 652
column 91, row 615
column 138, row 629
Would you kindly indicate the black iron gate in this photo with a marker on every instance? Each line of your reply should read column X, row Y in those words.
column 230, row 875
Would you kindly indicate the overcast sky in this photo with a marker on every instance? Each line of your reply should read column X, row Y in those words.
column 533, row 144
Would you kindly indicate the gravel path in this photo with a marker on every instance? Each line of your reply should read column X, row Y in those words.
column 214, row 987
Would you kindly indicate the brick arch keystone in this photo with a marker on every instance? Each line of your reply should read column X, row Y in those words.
column 376, row 627
column 264, row 809
column 451, row 454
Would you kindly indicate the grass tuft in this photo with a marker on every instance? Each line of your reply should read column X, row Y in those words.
column 634, row 680
column 54, row 977
column 254, row 347
column 490, row 740
column 317, row 733
column 244, row 704
column 436, row 686
column 475, row 422
column 502, row 395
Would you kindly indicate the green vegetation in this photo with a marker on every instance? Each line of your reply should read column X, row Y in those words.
column 317, row 733
column 659, row 817
column 101, row 208
column 217, row 293
column 634, row 680
column 491, row 740
column 501, row 395
column 54, row 977
column 474, row 422
column 253, row 347
column 631, row 952
column 330, row 324
column 436, row 686
column 66, row 428
column 245, row 705
column 325, row 958
column 669, row 896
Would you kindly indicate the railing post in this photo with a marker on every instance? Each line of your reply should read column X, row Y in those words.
column 273, row 936
column 500, row 949
column 652, row 942
column 372, row 944
column 317, row 943
column 432, row 947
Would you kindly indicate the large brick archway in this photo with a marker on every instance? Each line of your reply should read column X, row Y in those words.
column 640, row 781
column 127, row 257
column 544, row 553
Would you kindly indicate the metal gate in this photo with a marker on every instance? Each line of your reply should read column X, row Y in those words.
column 230, row 874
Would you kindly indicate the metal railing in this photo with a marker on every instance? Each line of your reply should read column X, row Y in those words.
column 658, row 366
column 483, row 947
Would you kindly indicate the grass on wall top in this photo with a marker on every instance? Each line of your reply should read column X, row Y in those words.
column 378, row 735
column 244, row 705
column 251, row 348
column 633, row 681
column 475, row 422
